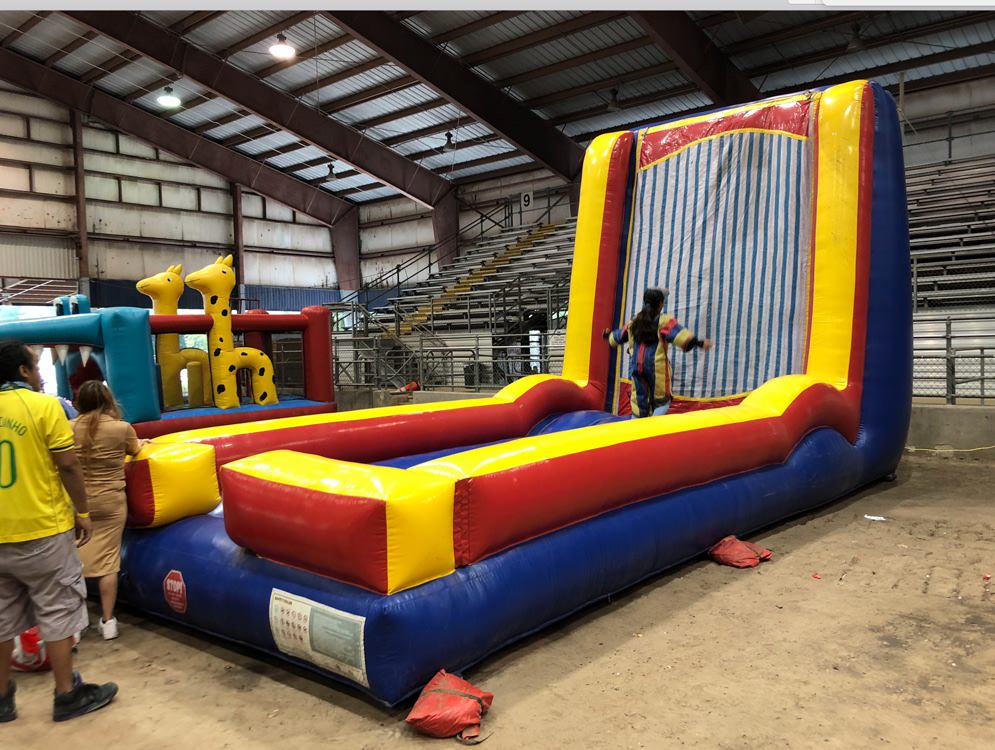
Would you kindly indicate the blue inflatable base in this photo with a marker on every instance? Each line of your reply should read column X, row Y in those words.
column 389, row 646
column 286, row 402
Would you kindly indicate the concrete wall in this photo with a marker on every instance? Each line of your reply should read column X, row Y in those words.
column 958, row 427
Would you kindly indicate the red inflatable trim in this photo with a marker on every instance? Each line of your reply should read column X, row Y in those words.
column 496, row 511
column 787, row 117
column 379, row 438
column 167, row 426
column 141, row 499
column 338, row 536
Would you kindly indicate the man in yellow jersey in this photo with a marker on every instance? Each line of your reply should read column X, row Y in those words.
column 43, row 511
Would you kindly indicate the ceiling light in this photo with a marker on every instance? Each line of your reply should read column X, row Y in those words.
column 168, row 99
column 449, row 146
column 331, row 170
column 282, row 50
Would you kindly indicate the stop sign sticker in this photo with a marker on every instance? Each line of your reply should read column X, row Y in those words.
column 175, row 591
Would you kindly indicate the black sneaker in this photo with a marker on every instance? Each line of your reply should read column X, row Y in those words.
column 8, row 711
column 82, row 699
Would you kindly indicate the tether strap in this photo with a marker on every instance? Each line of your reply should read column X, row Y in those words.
column 450, row 691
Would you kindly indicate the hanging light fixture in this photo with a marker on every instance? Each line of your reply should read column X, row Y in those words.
column 168, row 99
column 449, row 145
column 282, row 50
column 613, row 105
column 331, row 170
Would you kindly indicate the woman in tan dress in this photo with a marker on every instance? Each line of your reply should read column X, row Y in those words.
column 102, row 442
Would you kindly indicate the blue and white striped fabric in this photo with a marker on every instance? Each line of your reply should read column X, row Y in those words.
column 724, row 224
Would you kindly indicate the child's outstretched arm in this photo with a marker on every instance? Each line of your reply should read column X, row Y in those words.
column 616, row 336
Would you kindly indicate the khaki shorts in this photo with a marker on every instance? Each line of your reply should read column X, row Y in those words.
column 41, row 583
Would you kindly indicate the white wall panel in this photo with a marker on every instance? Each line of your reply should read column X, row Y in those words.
column 101, row 188
column 279, row 270
column 214, row 201
column 305, row 239
column 14, row 178
column 134, row 261
column 133, row 147
column 13, row 125
column 252, row 206
column 16, row 101
column 151, row 170
column 37, row 213
column 51, row 132
column 408, row 234
column 278, row 212
column 54, row 182
column 37, row 257
column 165, row 224
column 143, row 193
column 35, row 152
column 176, row 196
column 99, row 140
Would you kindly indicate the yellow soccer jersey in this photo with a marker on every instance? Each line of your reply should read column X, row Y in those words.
column 33, row 502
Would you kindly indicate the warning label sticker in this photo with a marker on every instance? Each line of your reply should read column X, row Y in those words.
column 174, row 589
column 325, row 636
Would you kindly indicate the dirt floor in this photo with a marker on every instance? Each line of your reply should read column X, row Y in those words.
column 859, row 634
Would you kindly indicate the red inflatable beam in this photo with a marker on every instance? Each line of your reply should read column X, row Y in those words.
column 314, row 322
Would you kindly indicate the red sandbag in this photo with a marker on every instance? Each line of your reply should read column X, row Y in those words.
column 450, row 707
column 737, row 553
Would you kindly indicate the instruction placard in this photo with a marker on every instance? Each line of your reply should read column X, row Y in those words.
column 325, row 636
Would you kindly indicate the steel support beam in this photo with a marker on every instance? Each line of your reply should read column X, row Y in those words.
column 345, row 251
column 24, row 28
column 79, row 181
column 238, row 239
column 47, row 82
column 519, row 126
column 288, row 113
column 445, row 222
column 698, row 58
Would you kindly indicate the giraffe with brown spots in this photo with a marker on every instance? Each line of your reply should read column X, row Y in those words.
column 215, row 283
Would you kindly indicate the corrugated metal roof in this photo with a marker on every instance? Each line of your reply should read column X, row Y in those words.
column 165, row 17
column 484, row 169
column 600, row 73
column 433, row 22
column 373, row 194
column 326, row 64
column 238, row 126
column 411, row 123
column 382, row 106
column 11, row 20
column 513, row 28
column 588, row 41
column 90, row 55
column 449, row 160
column 299, row 156
column 304, row 35
column 614, row 71
column 267, row 142
column 233, row 27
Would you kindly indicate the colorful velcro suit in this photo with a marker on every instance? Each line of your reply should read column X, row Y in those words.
column 646, row 360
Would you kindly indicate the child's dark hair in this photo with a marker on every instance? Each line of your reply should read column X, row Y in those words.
column 14, row 354
column 644, row 325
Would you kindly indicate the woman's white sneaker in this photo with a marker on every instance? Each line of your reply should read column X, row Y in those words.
column 109, row 629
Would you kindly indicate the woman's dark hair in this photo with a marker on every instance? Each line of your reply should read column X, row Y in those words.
column 94, row 399
column 644, row 325
column 14, row 355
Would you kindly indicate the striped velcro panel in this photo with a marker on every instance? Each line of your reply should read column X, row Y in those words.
column 724, row 224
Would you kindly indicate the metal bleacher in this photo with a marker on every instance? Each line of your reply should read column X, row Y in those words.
column 952, row 232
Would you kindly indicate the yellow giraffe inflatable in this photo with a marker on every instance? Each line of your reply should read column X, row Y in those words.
column 165, row 290
column 215, row 282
